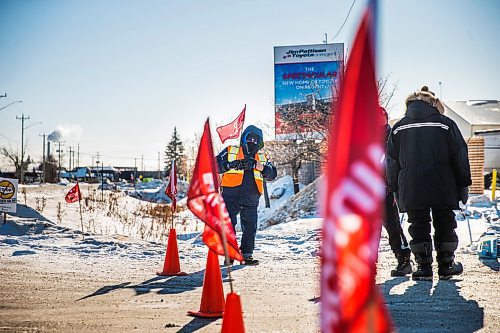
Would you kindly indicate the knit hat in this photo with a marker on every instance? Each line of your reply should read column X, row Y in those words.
column 427, row 96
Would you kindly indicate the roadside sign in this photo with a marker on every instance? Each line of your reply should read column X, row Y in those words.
column 8, row 195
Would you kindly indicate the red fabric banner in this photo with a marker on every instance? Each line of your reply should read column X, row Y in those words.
column 352, row 197
column 73, row 194
column 171, row 189
column 205, row 201
column 233, row 129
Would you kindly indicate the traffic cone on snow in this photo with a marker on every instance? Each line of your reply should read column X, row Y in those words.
column 233, row 316
column 212, row 297
column 171, row 266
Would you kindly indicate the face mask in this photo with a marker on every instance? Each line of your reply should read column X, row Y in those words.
column 252, row 147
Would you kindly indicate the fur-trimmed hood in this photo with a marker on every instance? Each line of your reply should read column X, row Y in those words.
column 427, row 96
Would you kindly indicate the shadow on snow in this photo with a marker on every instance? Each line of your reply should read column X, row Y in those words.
column 421, row 309
column 164, row 284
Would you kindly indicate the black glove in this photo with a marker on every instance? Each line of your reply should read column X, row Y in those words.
column 249, row 164
column 463, row 194
column 236, row 164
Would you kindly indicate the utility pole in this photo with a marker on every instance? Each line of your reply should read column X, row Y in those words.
column 70, row 159
column 92, row 168
column 135, row 171
column 43, row 159
column 102, row 181
column 59, row 162
column 97, row 164
column 326, row 38
column 159, row 172
column 142, row 163
column 23, row 118
column 78, row 156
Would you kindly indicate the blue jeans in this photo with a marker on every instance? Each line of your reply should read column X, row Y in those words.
column 248, row 219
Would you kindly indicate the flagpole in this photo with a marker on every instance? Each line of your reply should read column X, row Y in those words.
column 172, row 220
column 224, row 245
column 81, row 218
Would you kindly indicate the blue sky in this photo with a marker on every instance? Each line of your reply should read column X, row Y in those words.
column 123, row 73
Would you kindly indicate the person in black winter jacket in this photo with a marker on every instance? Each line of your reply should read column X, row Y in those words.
column 397, row 239
column 428, row 169
column 244, row 169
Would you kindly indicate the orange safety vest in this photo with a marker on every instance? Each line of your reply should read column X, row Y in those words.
column 233, row 178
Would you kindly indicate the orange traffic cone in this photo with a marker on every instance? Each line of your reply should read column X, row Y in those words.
column 212, row 297
column 171, row 266
column 233, row 316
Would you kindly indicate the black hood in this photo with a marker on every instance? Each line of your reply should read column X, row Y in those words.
column 251, row 130
column 420, row 110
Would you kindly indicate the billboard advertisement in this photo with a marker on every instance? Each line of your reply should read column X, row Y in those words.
column 304, row 81
column 8, row 195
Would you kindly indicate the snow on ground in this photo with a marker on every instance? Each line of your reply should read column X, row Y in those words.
column 104, row 279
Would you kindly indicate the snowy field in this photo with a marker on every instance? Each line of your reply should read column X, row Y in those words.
column 54, row 279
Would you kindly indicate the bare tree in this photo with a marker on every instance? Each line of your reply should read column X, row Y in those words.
column 385, row 92
column 14, row 158
column 310, row 122
column 293, row 154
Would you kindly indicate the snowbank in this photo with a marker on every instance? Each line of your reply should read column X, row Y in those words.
column 291, row 207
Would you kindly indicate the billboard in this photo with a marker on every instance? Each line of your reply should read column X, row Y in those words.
column 8, row 195
column 304, row 78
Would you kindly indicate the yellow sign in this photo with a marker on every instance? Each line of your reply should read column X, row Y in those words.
column 7, row 189
column 8, row 195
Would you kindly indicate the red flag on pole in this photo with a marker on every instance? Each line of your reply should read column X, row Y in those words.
column 352, row 198
column 171, row 190
column 205, row 201
column 233, row 129
column 74, row 194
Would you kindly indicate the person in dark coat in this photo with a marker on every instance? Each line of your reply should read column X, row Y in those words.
column 244, row 169
column 428, row 169
column 397, row 239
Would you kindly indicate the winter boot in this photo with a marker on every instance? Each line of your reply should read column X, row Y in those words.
column 404, row 264
column 250, row 261
column 445, row 257
column 423, row 257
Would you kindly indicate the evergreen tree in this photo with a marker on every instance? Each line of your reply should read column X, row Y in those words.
column 175, row 151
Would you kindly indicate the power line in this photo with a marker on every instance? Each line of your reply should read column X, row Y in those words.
column 348, row 13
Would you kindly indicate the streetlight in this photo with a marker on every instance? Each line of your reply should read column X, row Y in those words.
column 4, row 107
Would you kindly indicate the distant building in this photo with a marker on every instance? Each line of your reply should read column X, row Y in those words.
column 475, row 115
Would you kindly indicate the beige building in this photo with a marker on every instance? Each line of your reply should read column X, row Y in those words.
column 473, row 116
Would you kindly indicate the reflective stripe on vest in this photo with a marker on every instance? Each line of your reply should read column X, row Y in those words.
column 233, row 178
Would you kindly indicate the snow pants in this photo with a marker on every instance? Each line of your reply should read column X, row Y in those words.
column 248, row 219
column 445, row 238
column 397, row 239
column 443, row 220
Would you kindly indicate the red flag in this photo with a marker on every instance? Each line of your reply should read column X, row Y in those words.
column 233, row 129
column 205, row 201
column 74, row 194
column 352, row 199
column 171, row 190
